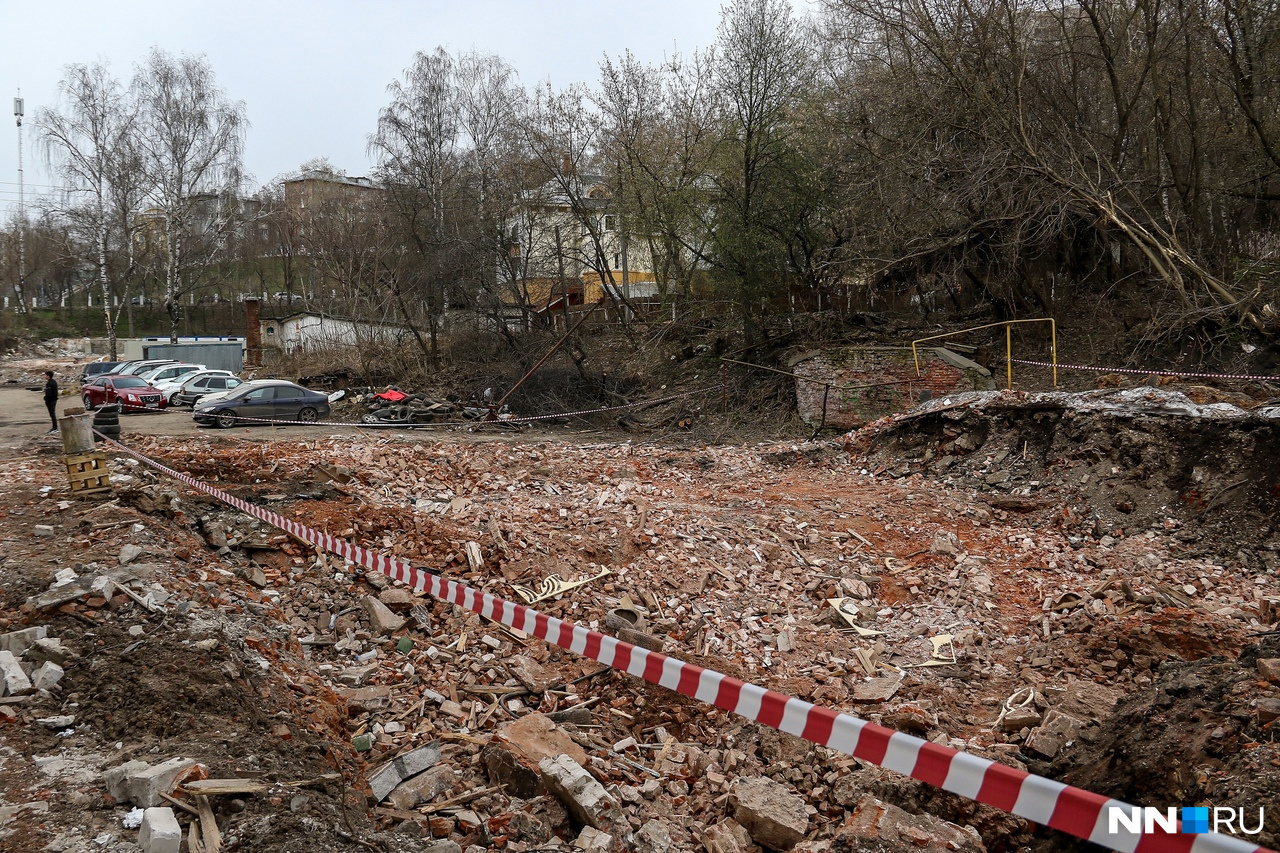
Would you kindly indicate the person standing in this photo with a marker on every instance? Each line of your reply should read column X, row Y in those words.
column 51, row 399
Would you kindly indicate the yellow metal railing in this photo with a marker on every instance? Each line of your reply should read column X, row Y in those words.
column 1008, row 344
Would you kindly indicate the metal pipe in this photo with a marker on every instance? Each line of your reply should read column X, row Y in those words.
column 1008, row 355
column 496, row 407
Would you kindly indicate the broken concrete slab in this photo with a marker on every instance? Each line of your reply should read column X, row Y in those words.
column 592, row 840
column 877, row 825
column 533, row 675
column 1020, row 718
column 386, row 778
column 728, row 836
column 15, row 678
column 381, row 619
column 423, row 788
column 877, row 689
column 160, row 832
column 18, row 642
column 117, row 779
column 364, row 699
column 49, row 649
column 129, row 552
column 578, row 790
column 512, row 757
column 398, row 599
column 772, row 813
column 653, row 836
column 1054, row 733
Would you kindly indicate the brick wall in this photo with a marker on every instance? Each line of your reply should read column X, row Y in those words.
column 941, row 372
column 252, row 334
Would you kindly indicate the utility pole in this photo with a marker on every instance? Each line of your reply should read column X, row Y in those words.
column 22, row 214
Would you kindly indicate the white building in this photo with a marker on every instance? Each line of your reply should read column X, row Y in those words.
column 310, row 331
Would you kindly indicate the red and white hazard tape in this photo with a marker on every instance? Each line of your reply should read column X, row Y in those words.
column 1136, row 371
column 478, row 422
column 1035, row 798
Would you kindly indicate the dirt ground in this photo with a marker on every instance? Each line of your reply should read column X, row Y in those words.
column 1114, row 649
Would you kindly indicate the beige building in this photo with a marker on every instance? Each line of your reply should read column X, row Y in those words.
column 310, row 190
column 566, row 247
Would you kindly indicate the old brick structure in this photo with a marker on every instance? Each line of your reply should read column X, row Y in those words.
column 847, row 406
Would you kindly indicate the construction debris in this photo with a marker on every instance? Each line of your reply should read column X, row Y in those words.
column 311, row 690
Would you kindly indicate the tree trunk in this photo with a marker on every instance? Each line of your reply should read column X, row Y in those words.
column 105, row 281
column 173, row 259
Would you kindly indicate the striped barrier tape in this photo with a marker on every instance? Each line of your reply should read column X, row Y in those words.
column 1178, row 373
column 1035, row 798
column 478, row 422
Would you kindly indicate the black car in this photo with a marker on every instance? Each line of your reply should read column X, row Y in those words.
column 94, row 369
column 262, row 400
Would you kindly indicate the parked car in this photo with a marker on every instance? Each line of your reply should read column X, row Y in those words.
column 132, row 393
column 197, row 385
column 262, row 399
column 161, row 372
column 169, row 377
column 96, row 368
column 136, row 367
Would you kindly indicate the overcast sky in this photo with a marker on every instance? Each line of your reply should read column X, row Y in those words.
column 313, row 74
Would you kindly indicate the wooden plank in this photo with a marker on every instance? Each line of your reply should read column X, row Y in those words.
column 208, row 826
column 213, row 787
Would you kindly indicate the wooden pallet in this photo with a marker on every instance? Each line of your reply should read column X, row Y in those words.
column 88, row 474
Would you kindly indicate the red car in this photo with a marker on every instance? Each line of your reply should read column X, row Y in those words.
column 133, row 394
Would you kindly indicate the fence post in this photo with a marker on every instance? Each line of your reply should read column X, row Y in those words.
column 724, row 387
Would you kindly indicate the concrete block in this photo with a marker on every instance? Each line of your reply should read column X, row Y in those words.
column 773, row 815
column 386, row 778
column 19, row 641
column 160, row 832
column 586, row 799
column 117, row 779
column 146, row 786
column 46, row 676
column 15, row 678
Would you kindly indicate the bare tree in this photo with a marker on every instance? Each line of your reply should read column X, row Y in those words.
column 192, row 138
column 417, row 148
column 764, row 67
column 92, row 139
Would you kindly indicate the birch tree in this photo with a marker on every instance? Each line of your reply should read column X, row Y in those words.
column 91, row 138
column 192, row 138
